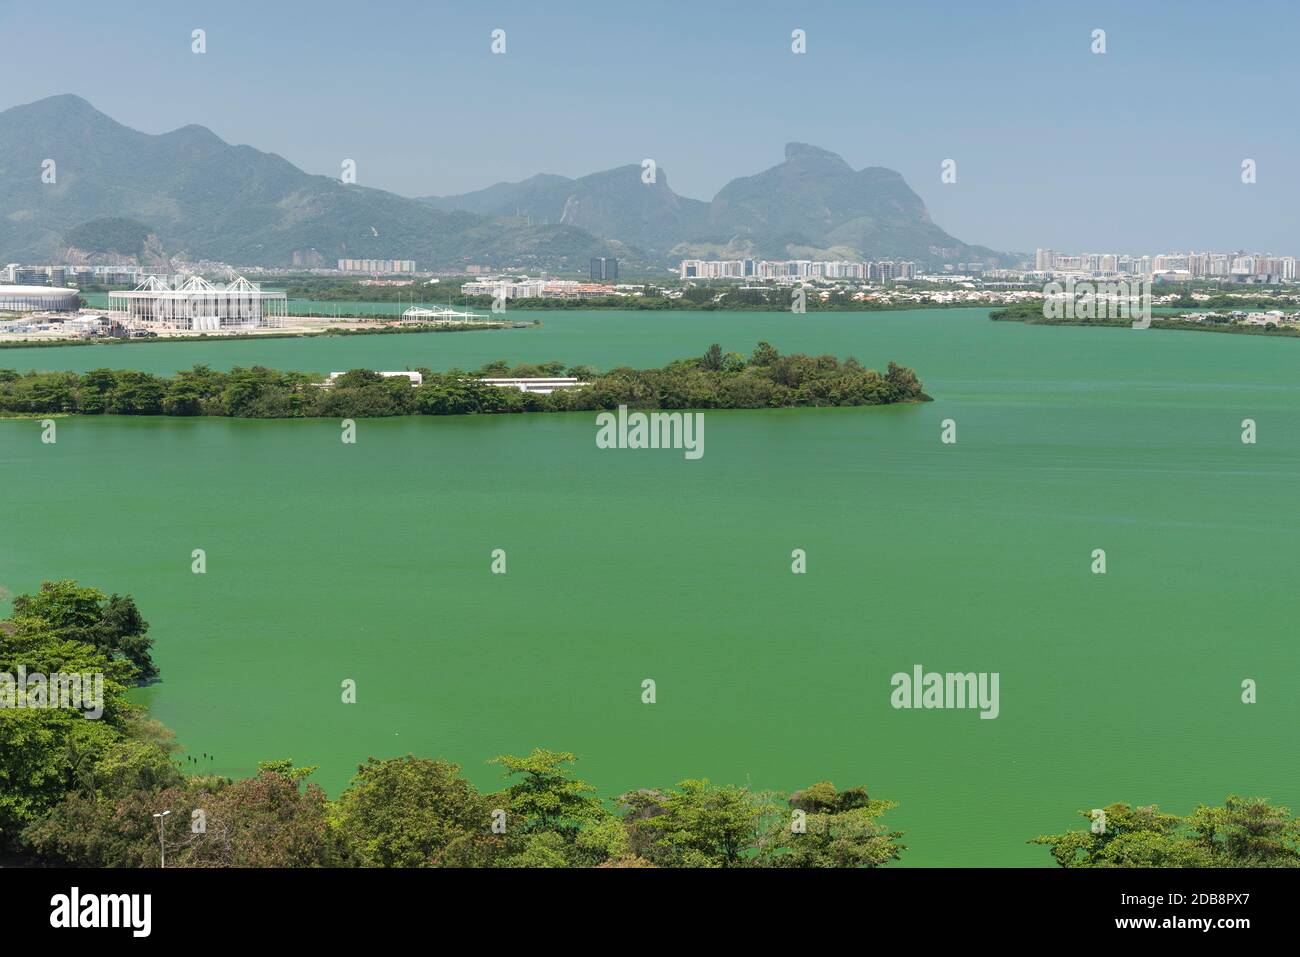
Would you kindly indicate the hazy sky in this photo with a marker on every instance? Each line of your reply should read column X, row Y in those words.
column 1135, row 150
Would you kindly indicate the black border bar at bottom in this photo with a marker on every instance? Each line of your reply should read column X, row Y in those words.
column 333, row 906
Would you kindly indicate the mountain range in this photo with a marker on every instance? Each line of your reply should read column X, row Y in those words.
column 195, row 196
column 811, row 206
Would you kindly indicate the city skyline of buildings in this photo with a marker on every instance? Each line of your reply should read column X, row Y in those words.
column 529, row 288
column 62, row 276
column 1239, row 265
column 773, row 269
column 378, row 267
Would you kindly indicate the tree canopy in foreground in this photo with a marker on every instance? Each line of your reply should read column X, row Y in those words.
column 1244, row 832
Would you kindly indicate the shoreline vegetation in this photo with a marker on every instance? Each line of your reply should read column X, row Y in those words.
column 774, row 300
column 738, row 295
column 85, row 793
column 715, row 380
column 652, row 295
column 1031, row 314
column 603, row 304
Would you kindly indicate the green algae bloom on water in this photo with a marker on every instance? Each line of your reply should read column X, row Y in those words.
column 324, row 564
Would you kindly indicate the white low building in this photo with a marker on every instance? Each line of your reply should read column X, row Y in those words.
column 538, row 385
column 422, row 315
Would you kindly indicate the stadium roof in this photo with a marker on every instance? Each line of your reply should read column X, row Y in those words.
column 35, row 291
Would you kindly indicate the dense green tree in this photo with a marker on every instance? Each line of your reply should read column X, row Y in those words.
column 604, row 839
column 414, row 812
column 45, row 752
column 836, row 829
column 183, row 397
column 544, row 795
column 44, row 392
column 89, row 830
column 286, row 768
column 695, row 825
column 132, row 765
column 1245, row 832
column 137, row 393
column 583, row 373
column 111, row 623
column 903, row 380
column 1132, row 837
column 94, row 391
column 268, row 820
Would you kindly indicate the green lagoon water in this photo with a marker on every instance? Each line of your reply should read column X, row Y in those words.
column 371, row 562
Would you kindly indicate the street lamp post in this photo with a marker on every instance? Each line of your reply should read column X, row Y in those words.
column 162, row 848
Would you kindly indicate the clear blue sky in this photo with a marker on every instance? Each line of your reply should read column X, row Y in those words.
column 1139, row 149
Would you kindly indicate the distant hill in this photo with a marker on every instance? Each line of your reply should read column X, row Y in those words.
column 113, row 234
column 813, row 205
column 615, row 204
column 207, row 199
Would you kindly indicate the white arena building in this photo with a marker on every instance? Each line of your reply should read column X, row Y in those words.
column 197, row 305
column 37, row 299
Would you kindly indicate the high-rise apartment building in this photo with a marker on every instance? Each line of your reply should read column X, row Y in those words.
column 604, row 269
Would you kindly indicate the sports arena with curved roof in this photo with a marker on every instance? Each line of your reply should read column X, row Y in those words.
column 37, row 299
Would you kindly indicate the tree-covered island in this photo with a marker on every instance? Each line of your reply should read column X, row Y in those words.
column 715, row 380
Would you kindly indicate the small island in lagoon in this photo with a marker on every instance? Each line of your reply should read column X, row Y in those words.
column 715, row 380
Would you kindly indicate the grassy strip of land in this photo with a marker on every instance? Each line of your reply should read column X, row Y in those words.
column 707, row 299
column 716, row 380
column 410, row 329
column 1031, row 314
column 245, row 337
